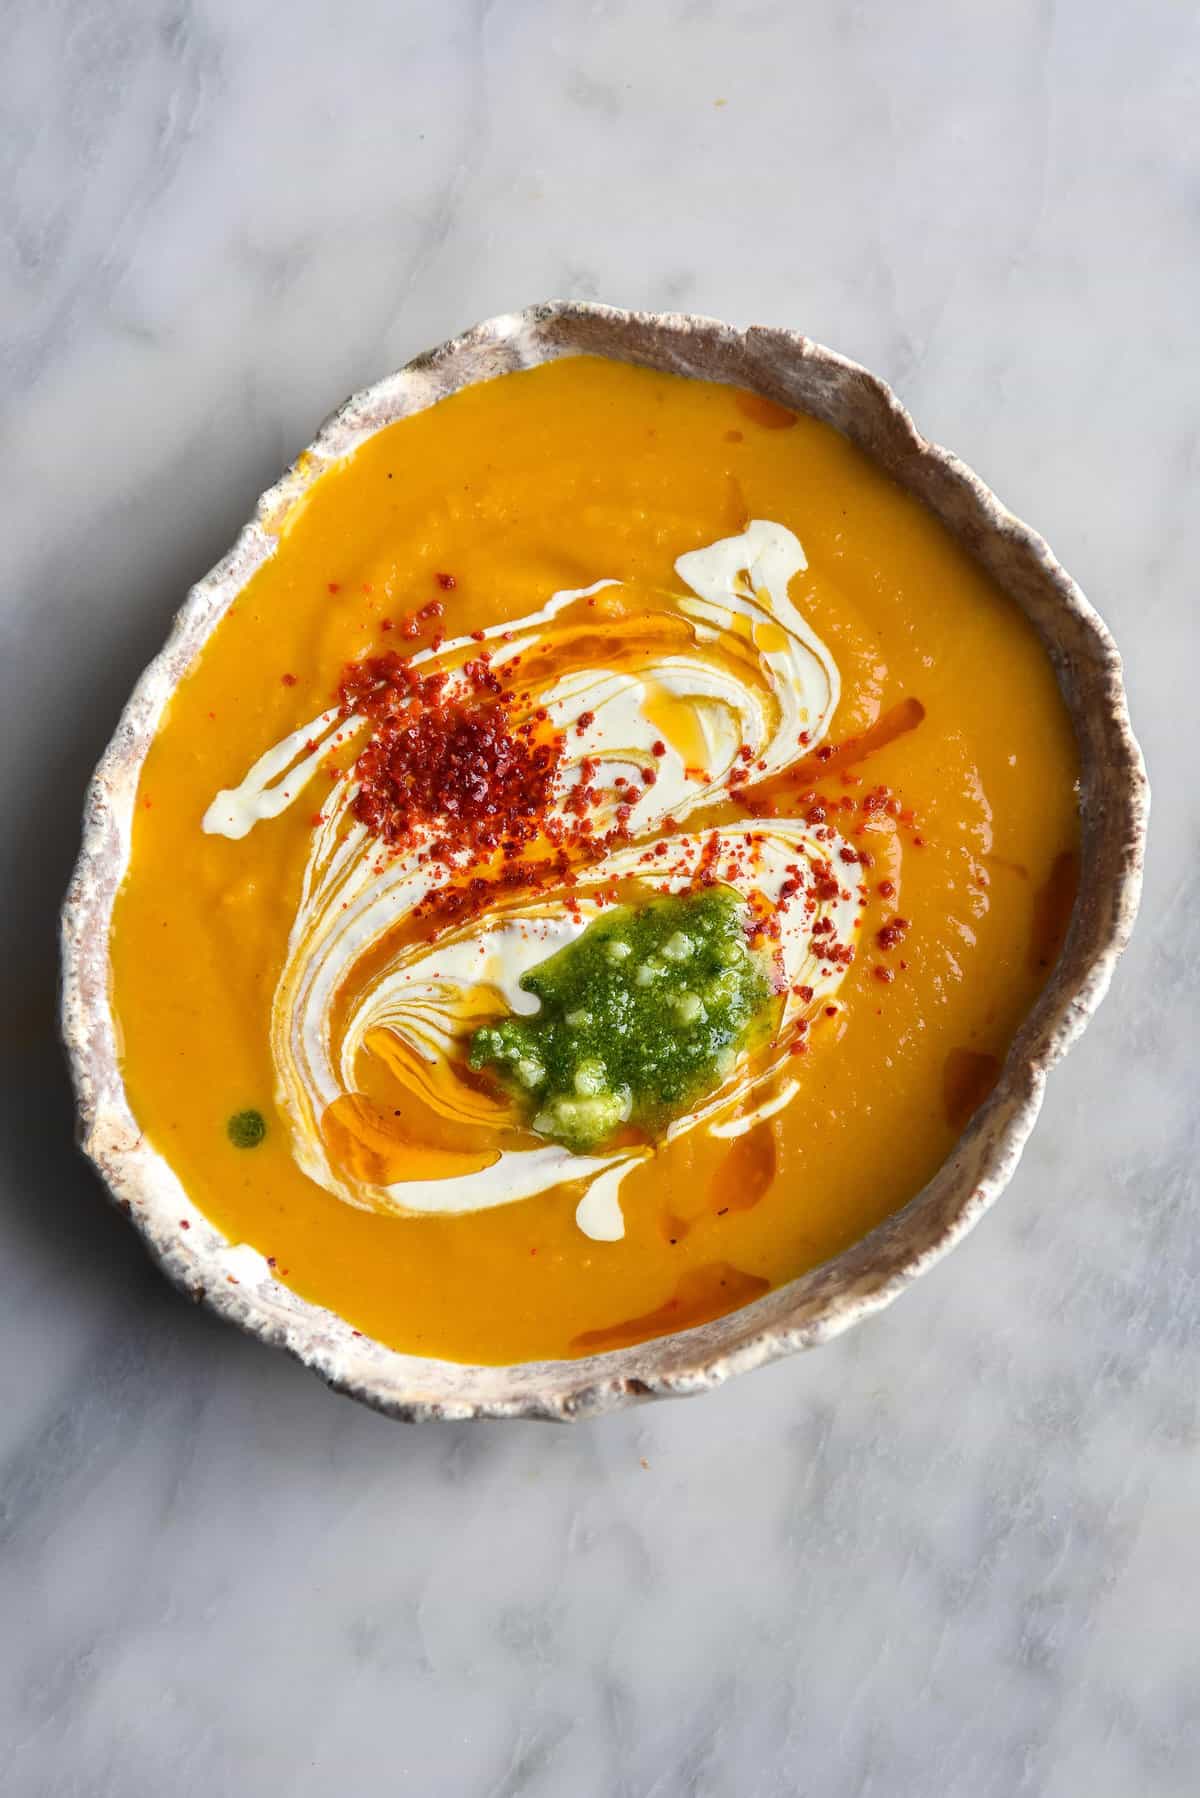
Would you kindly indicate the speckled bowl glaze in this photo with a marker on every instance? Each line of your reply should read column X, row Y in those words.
column 235, row 1280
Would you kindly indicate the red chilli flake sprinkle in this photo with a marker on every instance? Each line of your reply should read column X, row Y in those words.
column 289, row 680
column 892, row 933
column 445, row 582
column 449, row 759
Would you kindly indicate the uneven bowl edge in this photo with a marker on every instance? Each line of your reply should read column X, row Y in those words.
column 235, row 1279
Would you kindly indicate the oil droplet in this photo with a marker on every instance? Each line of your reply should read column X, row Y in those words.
column 702, row 1294
column 369, row 1147
column 968, row 1076
column 765, row 412
column 1053, row 904
column 745, row 1175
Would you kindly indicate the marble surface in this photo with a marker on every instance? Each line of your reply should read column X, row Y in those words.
column 955, row 1551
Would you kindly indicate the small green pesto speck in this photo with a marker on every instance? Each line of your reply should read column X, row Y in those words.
column 246, row 1129
column 641, row 1017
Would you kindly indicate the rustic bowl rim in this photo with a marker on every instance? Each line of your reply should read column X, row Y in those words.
column 235, row 1281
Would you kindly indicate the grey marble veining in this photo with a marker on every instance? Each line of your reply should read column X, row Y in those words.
column 952, row 1552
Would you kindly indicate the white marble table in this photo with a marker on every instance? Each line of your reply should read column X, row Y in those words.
column 955, row 1552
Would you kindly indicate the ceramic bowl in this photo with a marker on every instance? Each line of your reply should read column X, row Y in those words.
column 235, row 1280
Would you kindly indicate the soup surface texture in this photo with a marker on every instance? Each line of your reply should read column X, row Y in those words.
column 594, row 870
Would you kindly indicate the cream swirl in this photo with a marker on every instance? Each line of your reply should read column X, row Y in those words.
column 678, row 699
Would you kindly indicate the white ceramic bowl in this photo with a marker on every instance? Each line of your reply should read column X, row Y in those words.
column 234, row 1279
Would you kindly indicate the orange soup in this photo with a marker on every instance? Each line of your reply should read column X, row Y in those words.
column 594, row 870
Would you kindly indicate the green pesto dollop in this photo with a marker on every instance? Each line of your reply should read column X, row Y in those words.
column 641, row 1016
column 246, row 1129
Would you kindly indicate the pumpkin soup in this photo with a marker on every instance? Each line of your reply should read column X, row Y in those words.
column 594, row 870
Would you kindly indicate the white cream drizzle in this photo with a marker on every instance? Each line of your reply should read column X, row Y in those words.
column 277, row 778
column 738, row 1126
column 754, row 674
